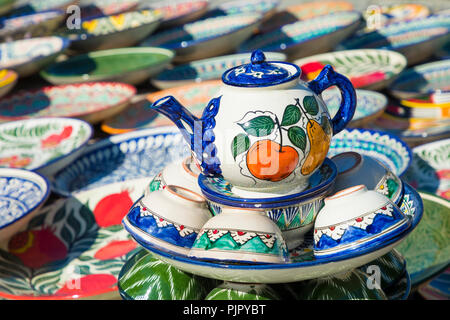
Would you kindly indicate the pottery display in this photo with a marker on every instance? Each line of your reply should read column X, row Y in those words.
column 99, row 8
column 264, row 7
column 205, row 38
column 91, row 102
column 130, row 65
column 8, row 79
column 371, row 69
column 305, row 38
column 28, row 56
column 423, row 108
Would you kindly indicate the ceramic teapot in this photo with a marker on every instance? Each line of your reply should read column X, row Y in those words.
column 267, row 131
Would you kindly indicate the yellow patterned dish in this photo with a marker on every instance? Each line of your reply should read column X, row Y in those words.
column 8, row 79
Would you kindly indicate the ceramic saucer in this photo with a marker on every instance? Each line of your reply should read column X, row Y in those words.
column 8, row 79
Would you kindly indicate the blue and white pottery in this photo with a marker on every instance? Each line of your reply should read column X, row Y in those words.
column 302, row 265
column 355, row 218
column 170, row 218
column 264, row 7
column 266, row 130
column 22, row 193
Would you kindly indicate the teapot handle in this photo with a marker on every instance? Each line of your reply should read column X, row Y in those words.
column 327, row 78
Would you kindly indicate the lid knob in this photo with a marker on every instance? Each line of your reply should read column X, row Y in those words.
column 257, row 57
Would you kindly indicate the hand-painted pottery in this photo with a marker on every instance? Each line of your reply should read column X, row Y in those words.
column 427, row 249
column 371, row 69
column 8, row 79
column 430, row 168
column 302, row 265
column 43, row 144
column 438, row 288
column 421, row 108
column 170, row 218
column 72, row 249
column 240, row 235
column 206, row 38
column 28, row 56
column 129, row 65
column 22, row 193
column 353, row 169
column 264, row 7
column 416, row 39
column 384, row 147
column 305, row 38
column 207, row 69
column 101, row 8
column 144, row 277
column 133, row 155
column 6, row 6
column 38, row 6
column 92, row 102
column 31, row 25
column 303, row 11
column 115, row 31
column 266, row 131
column 242, row 291
column 356, row 218
column 369, row 105
column 138, row 115
column 422, row 80
column 293, row 213
column 394, row 13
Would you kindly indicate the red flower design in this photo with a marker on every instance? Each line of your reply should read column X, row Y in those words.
column 15, row 162
column 367, row 79
column 115, row 249
column 311, row 70
column 111, row 209
column 55, row 139
column 87, row 284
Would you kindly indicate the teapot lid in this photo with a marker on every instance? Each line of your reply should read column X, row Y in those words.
column 260, row 73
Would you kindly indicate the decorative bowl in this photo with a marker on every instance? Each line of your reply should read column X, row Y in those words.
column 101, row 8
column 240, row 235
column 22, row 192
column 28, row 56
column 44, row 145
column 416, row 39
column 38, row 6
column 129, row 65
column 207, row 69
column 206, row 38
column 266, row 8
column 115, row 31
column 243, row 291
column 92, row 102
column 372, row 69
column 355, row 218
column 8, row 79
column 305, row 38
column 424, row 108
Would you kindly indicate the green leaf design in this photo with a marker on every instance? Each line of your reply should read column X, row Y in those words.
column 292, row 115
column 244, row 291
column 310, row 104
column 240, row 144
column 259, row 127
column 298, row 137
column 326, row 125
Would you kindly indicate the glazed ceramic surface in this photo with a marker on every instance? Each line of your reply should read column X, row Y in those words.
column 420, row 108
column 207, row 69
column 206, row 38
column 138, row 115
column 416, row 39
column 243, row 291
column 98, row 8
column 72, row 249
column 42, row 144
column 438, row 288
column 305, row 38
column 422, row 80
column 129, row 65
column 372, row 69
column 28, row 56
column 302, row 265
column 90, row 101
column 430, row 168
column 37, row 6
column 394, row 13
column 8, row 79
column 427, row 249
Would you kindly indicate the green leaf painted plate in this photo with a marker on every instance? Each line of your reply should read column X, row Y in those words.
column 243, row 291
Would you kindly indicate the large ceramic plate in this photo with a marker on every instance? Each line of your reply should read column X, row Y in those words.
column 372, row 69
column 130, row 65
column 305, row 38
column 44, row 144
column 92, row 102
column 194, row 97
column 302, row 266
column 74, row 248
column 8, row 79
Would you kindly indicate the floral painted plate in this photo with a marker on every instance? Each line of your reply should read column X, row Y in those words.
column 100, row 8
column 305, row 38
column 115, row 31
column 129, row 65
column 8, row 79
column 416, row 39
column 427, row 249
column 302, row 266
column 207, row 37
column 371, row 69
column 43, row 144
column 422, row 80
column 28, row 56
column 207, row 69
column 139, row 114
column 72, row 249
column 92, row 102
